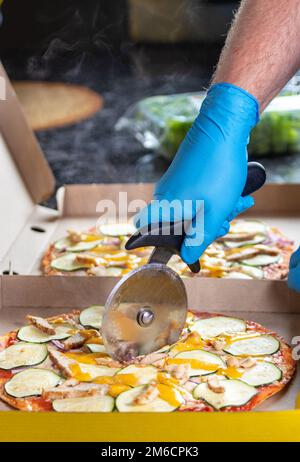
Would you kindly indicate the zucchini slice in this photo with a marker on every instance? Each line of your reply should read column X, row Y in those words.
column 211, row 361
column 212, row 327
column 68, row 263
column 23, row 354
column 31, row 382
column 66, row 245
column 262, row 260
column 95, row 348
column 263, row 373
column 255, row 346
column 117, row 229
column 237, row 393
column 125, row 402
column 92, row 316
column 254, row 272
column 86, row 404
column 248, row 226
column 141, row 375
column 97, row 371
column 33, row 335
column 256, row 240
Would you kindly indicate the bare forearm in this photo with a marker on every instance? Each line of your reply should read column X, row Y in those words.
column 262, row 50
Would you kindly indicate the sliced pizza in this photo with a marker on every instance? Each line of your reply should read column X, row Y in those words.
column 251, row 250
column 220, row 363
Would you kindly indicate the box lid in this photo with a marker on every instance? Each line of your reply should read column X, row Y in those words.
column 25, row 176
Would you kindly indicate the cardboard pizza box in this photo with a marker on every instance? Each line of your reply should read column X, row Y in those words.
column 269, row 303
column 27, row 229
column 26, row 180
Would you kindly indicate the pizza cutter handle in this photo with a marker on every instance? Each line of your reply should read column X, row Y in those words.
column 167, row 238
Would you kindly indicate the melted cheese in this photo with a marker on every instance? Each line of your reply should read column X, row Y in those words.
column 78, row 374
column 118, row 379
column 89, row 358
column 194, row 363
column 192, row 342
column 116, row 389
column 169, row 394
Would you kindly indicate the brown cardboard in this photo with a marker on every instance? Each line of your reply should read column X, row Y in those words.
column 267, row 302
column 23, row 146
column 77, row 210
column 26, row 179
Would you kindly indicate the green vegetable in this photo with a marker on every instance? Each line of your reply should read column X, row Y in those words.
column 161, row 123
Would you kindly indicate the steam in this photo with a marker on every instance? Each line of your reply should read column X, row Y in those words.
column 74, row 40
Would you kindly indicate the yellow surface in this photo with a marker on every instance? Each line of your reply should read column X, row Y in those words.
column 175, row 427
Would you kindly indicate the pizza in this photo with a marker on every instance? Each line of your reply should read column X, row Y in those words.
column 219, row 363
column 251, row 250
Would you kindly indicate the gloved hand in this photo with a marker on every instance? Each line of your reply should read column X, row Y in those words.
column 294, row 273
column 210, row 165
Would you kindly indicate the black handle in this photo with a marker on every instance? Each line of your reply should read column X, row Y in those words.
column 171, row 235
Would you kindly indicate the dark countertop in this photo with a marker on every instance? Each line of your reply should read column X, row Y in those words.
column 91, row 151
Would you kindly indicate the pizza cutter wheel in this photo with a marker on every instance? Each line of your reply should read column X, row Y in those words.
column 147, row 309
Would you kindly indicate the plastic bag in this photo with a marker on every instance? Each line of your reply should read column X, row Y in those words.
column 161, row 122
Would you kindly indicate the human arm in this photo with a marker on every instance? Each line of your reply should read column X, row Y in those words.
column 262, row 50
column 211, row 163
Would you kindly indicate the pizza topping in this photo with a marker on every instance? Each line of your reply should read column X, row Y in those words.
column 150, row 393
column 85, row 404
column 232, row 361
column 22, row 354
column 215, row 385
column 180, row 372
column 262, row 373
column 92, row 316
column 31, row 382
column 74, row 236
column 262, row 260
column 236, row 393
column 247, row 226
column 62, row 362
column 217, row 325
column 167, row 401
column 201, row 362
column 32, row 334
column 237, row 237
column 109, row 362
column 218, row 344
column 139, row 375
column 247, row 363
column 68, row 263
column 254, row 346
column 77, row 391
column 152, row 358
column 75, row 341
column 211, row 362
column 85, row 259
column 41, row 324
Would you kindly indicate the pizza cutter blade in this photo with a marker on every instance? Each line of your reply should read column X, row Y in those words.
column 147, row 309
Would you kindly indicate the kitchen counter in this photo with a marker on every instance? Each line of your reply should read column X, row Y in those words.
column 91, row 151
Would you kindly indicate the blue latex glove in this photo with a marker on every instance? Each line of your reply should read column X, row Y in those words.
column 294, row 273
column 210, row 165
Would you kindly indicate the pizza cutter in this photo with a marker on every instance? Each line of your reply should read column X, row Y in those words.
column 147, row 308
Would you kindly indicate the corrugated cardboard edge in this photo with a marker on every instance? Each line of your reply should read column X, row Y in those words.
column 205, row 294
column 24, row 148
column 80, row 200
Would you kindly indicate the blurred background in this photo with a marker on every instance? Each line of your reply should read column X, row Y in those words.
column 125, row 51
